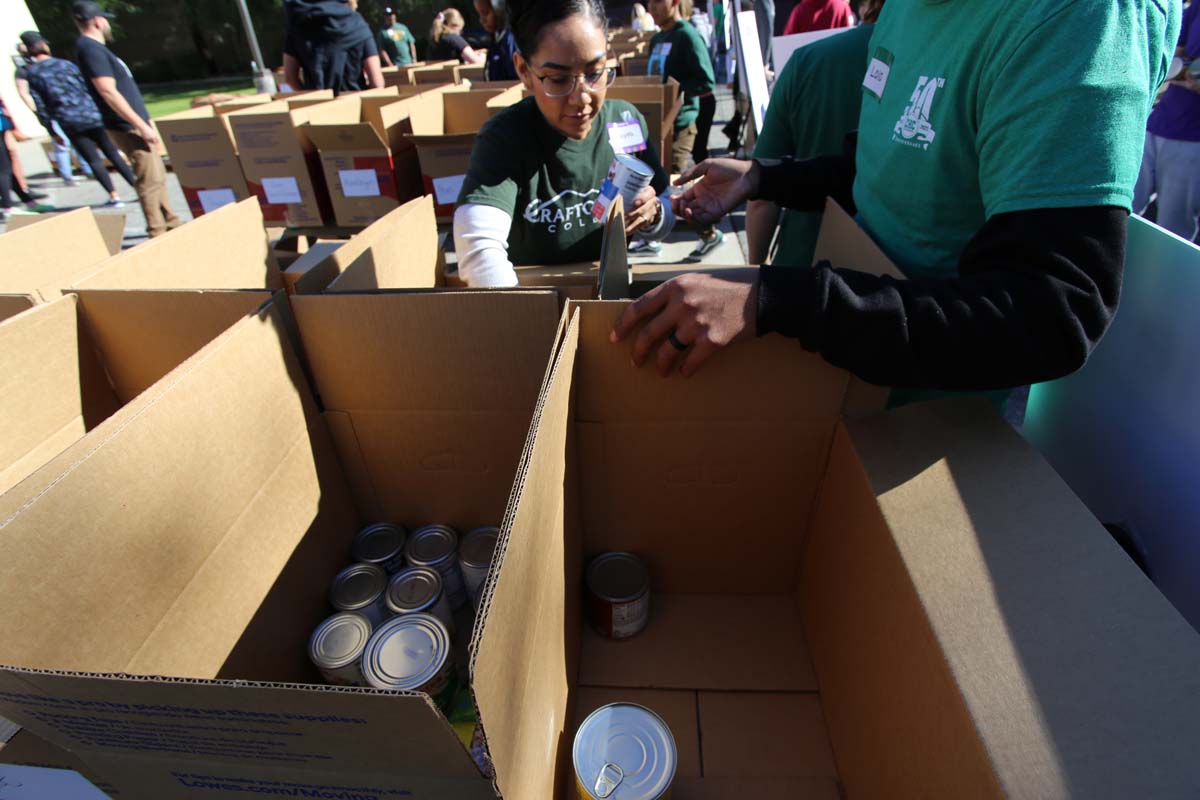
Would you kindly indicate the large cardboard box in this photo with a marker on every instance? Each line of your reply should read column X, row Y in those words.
column 68, row 365
column 171, row 571
column 659, row 103
column 403, row 76
column 111, row 225
column 50, row 254
column 225, row 249
column 204, row 157
column 908, row 605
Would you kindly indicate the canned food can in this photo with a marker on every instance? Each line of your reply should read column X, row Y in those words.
column 437, row 546
column 626, row 177
column 618, row 587
column 412, row 653
column 624, row 751
column 475, row 557
column 381, row 544
column 417, row 590
column 337, row 645
column 361, row 588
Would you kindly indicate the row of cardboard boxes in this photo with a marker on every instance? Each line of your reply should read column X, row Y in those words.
column 314, row 161
column 847, row 602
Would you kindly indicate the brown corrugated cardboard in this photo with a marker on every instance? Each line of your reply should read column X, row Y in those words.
column 315, row 255
column 659, row 103
column 403, row 76
column 27, row 750
column 204, row 157
column 13, row 304
column 42, row 259
column 469, row 73
column 435, row 74
column 911, row 604
column 224, row 249
column 111, row 225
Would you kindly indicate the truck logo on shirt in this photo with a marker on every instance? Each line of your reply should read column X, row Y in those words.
column 913, row 128
column 555, row 214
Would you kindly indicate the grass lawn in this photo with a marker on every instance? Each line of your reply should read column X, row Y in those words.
column 163, row 100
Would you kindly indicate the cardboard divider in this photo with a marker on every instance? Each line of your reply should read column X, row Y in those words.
column 111, row 225
column 13, row 304
column 224, row 249
column 204, row 157
column 44, row 258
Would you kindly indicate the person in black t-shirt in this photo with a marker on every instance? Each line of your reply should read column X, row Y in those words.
column 327, row 45
column 447, row 42
column 124, row 113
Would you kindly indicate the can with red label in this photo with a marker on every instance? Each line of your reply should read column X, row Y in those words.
column 618, row 588
column 626, row 177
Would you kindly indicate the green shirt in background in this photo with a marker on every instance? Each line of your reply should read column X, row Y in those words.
column 397, row 41
column 976, row 109
column 814, row 104
column 548, row 182
column 680, row 53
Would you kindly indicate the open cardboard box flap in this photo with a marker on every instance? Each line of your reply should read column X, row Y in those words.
column 44, row 258
column 111, row 225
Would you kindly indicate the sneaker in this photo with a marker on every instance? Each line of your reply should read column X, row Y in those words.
column 39, row 208
column 641, row 246
column 114, row 203
column 706, row 246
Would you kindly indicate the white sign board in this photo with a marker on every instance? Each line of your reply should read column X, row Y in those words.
column 359, row 182
column 281, row 190
column 446, row 189
column 751, row 65
column 212, row 199
column 782, row 47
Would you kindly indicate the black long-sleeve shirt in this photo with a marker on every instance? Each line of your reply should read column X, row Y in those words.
column 1035, row 292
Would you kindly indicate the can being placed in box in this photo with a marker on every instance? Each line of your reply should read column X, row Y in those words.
column 437, row 546
column 361, row 588
column 416, row 590
column 337, row 645
column 626, row 177
column 618, row 588
column 412, row 653
column 381, row 544
column 624, row 751
column 475, row 558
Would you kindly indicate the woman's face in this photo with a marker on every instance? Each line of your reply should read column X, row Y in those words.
column 575, row 46
column 663, row 11
column 487, row 17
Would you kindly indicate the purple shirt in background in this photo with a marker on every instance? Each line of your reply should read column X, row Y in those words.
column 1177, row 115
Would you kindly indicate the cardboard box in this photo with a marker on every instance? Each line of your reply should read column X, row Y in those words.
column 224, row 249
column 659, row 103
column 196, row 538
column 26, row 750
column 403, row 76
column 204, row 157
column 920, row 607
column 469, row 73
column 301, row 265
column 70, row 364
column 13, row 304
column 444, row 129
column 50, row 254
column 111, row 225
column 433, row 74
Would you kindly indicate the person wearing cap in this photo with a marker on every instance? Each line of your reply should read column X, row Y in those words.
column 124, row 113
column 499, row 64
column 397, row 47
column 328, row 45
column 61, row 100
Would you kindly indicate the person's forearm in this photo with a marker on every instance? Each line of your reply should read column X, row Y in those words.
column 412, row 49
column 384, row 58
column 291, row 72
column 374, row 72
column 117, row 102
column 762, row 216
column 1037, row 289
column 804, row 185
column 481, row 246
column 26, row 97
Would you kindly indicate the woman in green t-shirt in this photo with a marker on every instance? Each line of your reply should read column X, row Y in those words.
column 537, row 167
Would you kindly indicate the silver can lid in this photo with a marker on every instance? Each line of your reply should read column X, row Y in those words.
column 406, row 652
column 414, row 589
column 431, row 545
column 378, row 542
column 478, row 546
column 339, row 640
column 635, row 165
column 618, row 577
column 624, row 751
column 357, row 586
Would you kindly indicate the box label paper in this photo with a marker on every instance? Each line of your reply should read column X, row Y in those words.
column 446, row 189
column 359, row 182
column 281, row 191
column 212, row 199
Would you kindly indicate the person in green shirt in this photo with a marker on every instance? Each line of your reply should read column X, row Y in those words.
column 997, row 150
column 537, row 167
column 396, row 42
column 678, row 51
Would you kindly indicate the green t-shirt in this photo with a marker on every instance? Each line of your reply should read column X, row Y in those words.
column 680, row 53
column 813, row 106
column 548, row 182
column 995, row 107
column 397, row 41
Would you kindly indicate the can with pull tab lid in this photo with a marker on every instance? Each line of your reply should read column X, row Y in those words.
column 475, row 557
column 437, row 546
column 337, row 645
column 414, row 590
column 381, row 544
column 624, row 751
column 361, row 587
column 412, row 653
column 618, row 586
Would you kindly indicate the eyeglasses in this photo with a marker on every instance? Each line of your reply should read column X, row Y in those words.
column 563, row 85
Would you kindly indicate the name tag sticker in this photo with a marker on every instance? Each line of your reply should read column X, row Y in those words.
column 281, row 191
column 878, row 71
column 626, row 137
column 359, row 182
column 212, row 199
column 446, row 189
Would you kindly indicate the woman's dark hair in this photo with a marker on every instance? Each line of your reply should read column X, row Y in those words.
column 528, row 18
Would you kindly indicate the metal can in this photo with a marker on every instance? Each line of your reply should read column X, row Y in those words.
column 337, row 645
column 624, row 751
column 626, row 177
column 381, row 544
column 618, row 586
column 475, row 558
column 412, row 653
column 419, row 589
column 361, row 588
column 437, row 546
